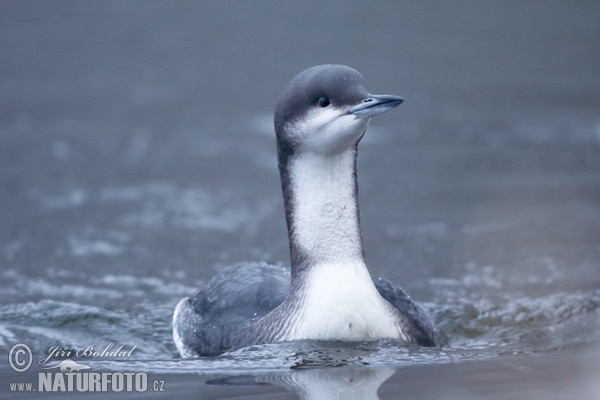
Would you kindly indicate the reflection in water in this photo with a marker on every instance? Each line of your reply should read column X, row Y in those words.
column 332, row 383
column 348, row 383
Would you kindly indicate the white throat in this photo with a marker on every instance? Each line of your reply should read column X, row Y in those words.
column 325, row 223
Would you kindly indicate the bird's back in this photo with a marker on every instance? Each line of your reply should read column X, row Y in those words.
column 208, row 323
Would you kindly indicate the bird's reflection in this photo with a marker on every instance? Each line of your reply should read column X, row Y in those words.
column 360, row 383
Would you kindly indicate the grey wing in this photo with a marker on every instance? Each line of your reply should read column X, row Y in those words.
column 416, row 322
column 208, row 322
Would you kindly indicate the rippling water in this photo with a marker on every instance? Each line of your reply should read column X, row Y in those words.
column 137, row 160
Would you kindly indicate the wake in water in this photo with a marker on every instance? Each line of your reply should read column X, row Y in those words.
column 131, row 311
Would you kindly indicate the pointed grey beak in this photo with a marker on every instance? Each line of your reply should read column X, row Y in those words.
column 375, row 104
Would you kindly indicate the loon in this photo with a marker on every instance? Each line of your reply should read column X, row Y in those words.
column 328, row 293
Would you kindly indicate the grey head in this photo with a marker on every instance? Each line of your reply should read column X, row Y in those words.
column 326, row 109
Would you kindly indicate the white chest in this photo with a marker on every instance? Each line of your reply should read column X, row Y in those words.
column 341, row 303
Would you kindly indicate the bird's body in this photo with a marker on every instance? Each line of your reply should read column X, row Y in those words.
column 329, row 294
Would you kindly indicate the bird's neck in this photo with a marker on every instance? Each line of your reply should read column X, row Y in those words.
column 321, row 202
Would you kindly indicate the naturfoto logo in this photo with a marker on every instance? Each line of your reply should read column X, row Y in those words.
column 68, row 375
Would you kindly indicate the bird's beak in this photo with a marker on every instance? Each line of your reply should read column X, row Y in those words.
column 375, row 104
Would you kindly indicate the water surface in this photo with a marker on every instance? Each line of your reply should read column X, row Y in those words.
column 137, row 160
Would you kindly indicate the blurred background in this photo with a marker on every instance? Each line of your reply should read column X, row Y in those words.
column 137, row 158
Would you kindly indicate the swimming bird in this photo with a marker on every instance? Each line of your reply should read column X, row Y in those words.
column 328, row 293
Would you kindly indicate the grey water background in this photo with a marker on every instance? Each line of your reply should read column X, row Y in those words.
column 137, row 160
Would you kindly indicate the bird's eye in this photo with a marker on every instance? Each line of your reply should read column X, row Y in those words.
column 323, row 101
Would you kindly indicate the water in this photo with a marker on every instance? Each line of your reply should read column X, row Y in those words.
column 137, row 160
